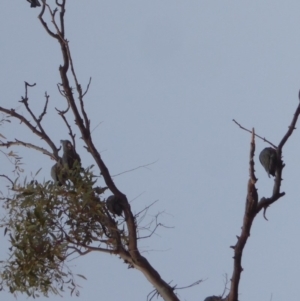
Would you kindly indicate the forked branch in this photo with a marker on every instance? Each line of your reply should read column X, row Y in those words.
column 252, row 205
column 132, row 255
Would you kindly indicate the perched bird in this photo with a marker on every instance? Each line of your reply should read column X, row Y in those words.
column 57, row 174
column 70, row 157
column 60, row 171
column 268, row 159
column 34, row 3
column 114, row 205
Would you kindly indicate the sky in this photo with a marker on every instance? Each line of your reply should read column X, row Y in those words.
column 168, row 77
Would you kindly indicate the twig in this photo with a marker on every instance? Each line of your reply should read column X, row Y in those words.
column 87, row 88
column 225, row 285
column 25, row 102
column 72, row 135
column 292, row 127
column 142, row 166
column 188, row 286
column 96, row 126
column 4, row 176
column 45, row 108
column 243, row 128
column 29, row 145
column 52, row 34
column 5, row 154
column 79, row 90
column 145, row 210
column 45, row 137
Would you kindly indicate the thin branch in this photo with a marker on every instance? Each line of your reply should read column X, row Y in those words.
column 4, row 176
column 29, row 145
column 153, row 231
column 52, row 34
column 153, row 293
column 62, row 93
column 87, row 88
column 72, row 135
column 45, row 108
column 25, row 102
column 79, row 89
column 40, row 134
column 91, row 249
column 28, row 85
column 243, row 128
column 266, row 202
column 292, row 127
column 96, row 126
column 61, row 15
column 5, row 154
column 191, row 285
column 142, row 166
column 144, row 211
column 157, row 294
column 225, row 285
column 13, row 113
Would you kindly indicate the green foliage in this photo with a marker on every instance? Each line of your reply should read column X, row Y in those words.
column 46, row 224
column 11, row 156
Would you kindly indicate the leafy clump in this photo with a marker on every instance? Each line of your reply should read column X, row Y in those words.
column 46, row 224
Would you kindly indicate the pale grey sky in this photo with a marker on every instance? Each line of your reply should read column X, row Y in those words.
column 168, row 77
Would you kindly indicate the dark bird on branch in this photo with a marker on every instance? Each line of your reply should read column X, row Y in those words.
column 268, row 159
column 70, row 157
column 68, row 167
column 34, row 3
column 114, row 205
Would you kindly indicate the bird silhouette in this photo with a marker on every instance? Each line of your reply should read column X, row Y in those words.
column 114, row 205
column 268, row 159
column 58, row 175
column 67, row 167
column 34, row 3
column 70, row 157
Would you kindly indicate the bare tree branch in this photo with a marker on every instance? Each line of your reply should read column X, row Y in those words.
column 136, row 259
column 40, row 133
column 45, row 108
column 4, row 176
column 29, row 145
column 250, row 213
column 266, row 202
column 129, row 170
column 253, row 206
column 243, row 128
column 87, row 88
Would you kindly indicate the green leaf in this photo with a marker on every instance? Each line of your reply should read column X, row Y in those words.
column 38, row 171
column 79, row 275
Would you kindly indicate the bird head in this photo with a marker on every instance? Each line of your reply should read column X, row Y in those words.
column 67, row 145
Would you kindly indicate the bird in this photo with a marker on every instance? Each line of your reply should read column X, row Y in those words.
column 114, row 205
column 70, row 157
column 60, row 171
column 34, row 3
column 57, row 174
column 268, row 159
